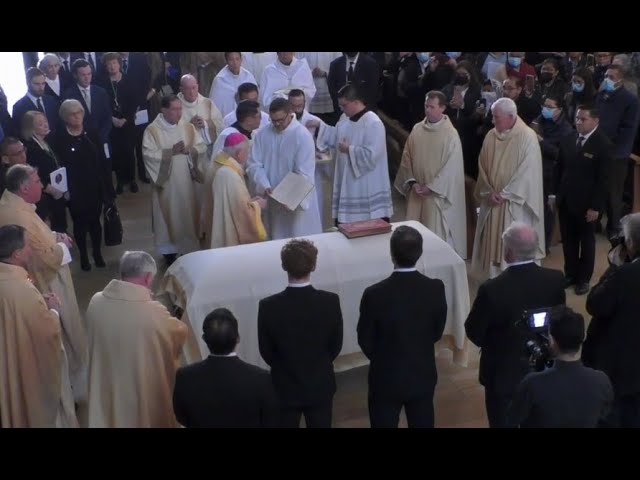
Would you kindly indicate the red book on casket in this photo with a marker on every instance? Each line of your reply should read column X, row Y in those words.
column 364, row 228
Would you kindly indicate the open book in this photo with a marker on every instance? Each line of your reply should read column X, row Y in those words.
column 59, row 179
column 292, row 190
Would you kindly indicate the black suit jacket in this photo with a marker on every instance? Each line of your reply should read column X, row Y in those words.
column 99, row 119
column 614, row 332
column 568, row 395
column 491, row 324
column 581, row 175
column 139, row 75
column 224, row 392
column 65, row 82
column 99, row 73
column 401, row 318
column 25, row 104
column 367, row 79
column 300, row 335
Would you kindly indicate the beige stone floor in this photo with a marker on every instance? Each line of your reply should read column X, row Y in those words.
column 459, row 399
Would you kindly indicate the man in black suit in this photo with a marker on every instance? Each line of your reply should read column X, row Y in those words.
column 300, row 335
column 35, row 99
column 65, row 66
column 498, row 308
column 94, row 60
column 401, row 318
column 358, row 68
column 567, row 395
column 223, row 391
column 97, row 112
column 582, row 170
column 614, row 332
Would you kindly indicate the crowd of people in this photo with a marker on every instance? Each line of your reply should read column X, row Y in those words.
column 538, row 134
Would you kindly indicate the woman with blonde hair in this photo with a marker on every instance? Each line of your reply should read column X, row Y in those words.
column 51, row 207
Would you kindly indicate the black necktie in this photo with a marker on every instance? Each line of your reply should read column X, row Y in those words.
column 580, row 143
column 39, row 104
column 125, row 65
column 91, row 62
column 350, row 73
column 66, row 65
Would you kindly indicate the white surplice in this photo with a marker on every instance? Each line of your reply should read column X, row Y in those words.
column 225, row 86
column 278, row 76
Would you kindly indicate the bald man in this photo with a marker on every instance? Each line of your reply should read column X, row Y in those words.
column 500, row 303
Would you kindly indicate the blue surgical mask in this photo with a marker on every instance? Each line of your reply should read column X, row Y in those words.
column 547, row 112
column 452, row 54
column 609, row 85
column 514, row 61
column 577, row 87
column 423, row 57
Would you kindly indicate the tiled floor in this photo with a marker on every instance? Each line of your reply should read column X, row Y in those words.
column 459, row 399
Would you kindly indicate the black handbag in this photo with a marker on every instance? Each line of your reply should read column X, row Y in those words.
column 112, row 227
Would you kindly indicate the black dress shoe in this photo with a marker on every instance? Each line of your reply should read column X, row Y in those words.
column 99, row 261
column 568, row 281
column 119, row 189
column 133, row 187
column 85, row 265
column 582, row 288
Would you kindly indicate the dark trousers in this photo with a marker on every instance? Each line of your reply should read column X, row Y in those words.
column 578, row 245
column 625, row 412
column 549, row 223
column 139, row 133
column 315, row 416
column 617, row 175
column 385, row 412
column 122, row 143
column 497, row 404
column 83, row 223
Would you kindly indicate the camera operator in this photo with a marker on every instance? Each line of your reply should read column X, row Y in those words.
column 613, row 336
column 567, row 395
column 493, row 323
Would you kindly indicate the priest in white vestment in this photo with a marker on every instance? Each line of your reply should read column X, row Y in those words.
column 172, row 150
column 431, row 175
column 319, row 64
column 256, row 62
column 282, row 147
column 225, row 84
column 246, row 91
column 284, row 74
column 509, row 188
column 361, row 186
column 324, row 163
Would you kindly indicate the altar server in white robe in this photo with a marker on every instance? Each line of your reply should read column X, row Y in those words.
column 172, row 150
column 225, row 84
column 246, row 91
column 286, row 73
column 284, row 146
column 431, row 175
column 319, row 64
column 256, row 62
column 324, row 169
column 361, row 186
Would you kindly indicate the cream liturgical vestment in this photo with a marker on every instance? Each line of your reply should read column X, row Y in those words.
column 510, row 164
column 273, row 155
column 236, row 219
column 225, row 86
column 433, row 157
column 134, row 346
column 205, row 109
column 34, row 380
column 50, row 276
column 175, row 212
column 361, row 187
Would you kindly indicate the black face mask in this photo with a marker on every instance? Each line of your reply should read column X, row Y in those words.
column 350, row 54
column 460, row 79
column 546, row 77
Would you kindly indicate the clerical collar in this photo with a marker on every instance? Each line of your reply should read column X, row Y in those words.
column 359, row 115
column 166, row 124
column 405, row 270
column 515, row 264
column 243, row 131
column 232, row 354
column 299, row 285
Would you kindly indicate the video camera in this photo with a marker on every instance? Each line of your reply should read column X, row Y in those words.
column 536, row 323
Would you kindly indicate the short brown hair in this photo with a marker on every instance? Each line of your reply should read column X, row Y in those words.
column 299, row 257
column 441, row 97
column 107, row 57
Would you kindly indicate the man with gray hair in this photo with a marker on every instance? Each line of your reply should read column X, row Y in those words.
column 499, row 306
column 134, row 347
column 614, row 332
column 48, row 267
column 509, row 187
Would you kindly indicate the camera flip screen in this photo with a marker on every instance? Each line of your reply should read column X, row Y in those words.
column 539, row 320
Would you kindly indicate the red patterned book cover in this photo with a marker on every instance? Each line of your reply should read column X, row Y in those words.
column 364, row 228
